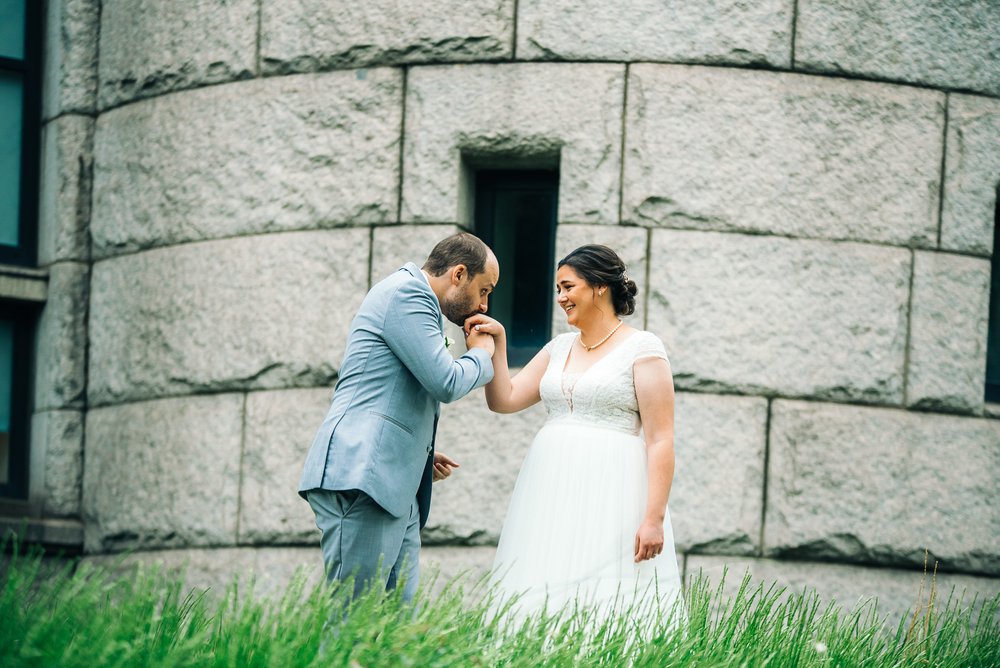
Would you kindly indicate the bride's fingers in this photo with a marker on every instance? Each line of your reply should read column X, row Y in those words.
column 646, row 550
column 482, row 323
column 471, row 321
column 643, row 550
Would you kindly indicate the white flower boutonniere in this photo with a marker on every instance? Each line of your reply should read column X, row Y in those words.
column 447, row 342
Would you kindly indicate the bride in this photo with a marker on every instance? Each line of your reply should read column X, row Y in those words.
column 588, row 524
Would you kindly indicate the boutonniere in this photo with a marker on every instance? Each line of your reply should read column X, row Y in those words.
column 447, row 341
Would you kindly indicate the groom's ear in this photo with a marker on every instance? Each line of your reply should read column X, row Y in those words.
column 458, row 272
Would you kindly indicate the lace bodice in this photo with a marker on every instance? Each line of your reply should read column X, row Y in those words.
column 604, row 393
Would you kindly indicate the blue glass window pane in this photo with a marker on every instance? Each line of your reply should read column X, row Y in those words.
column 6, row 372
column 6, row 381
column 11, row 101
column 12, row 28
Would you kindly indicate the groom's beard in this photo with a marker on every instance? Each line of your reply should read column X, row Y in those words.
column 459, row 311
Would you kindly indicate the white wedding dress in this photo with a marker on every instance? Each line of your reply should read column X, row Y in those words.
column 568, row 539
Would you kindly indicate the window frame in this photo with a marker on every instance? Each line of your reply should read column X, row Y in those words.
column 487, row 183
column 25, row 253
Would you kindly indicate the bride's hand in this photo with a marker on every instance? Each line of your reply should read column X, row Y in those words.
column 648, row 540
column 483, row 324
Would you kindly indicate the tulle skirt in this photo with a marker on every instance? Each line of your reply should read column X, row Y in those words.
column 568, row 539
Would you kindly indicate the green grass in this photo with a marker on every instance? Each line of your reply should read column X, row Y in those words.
column 85, row 617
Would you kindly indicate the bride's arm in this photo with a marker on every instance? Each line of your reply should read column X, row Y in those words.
column 505, row 394
column 654, row 389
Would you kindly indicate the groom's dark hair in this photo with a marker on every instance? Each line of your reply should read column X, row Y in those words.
column 461, row 248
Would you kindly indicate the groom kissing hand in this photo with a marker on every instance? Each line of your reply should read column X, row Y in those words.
column 369, row 470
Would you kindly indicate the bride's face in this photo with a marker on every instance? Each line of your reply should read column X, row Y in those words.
column 574, row 295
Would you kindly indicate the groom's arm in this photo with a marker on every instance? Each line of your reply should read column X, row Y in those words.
column 412, row 331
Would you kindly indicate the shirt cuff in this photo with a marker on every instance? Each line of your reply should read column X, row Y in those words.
column 485, row 363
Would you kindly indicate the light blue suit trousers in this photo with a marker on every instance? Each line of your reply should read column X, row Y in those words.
column 362, row 541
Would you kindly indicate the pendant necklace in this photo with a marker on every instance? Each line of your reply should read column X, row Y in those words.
column 589, row 348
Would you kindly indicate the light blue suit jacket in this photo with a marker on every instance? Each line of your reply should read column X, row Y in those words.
column 378, row 435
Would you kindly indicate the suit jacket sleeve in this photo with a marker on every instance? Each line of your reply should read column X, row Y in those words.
column 412, row 331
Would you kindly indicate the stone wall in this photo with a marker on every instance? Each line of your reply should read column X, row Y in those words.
column 804, row 191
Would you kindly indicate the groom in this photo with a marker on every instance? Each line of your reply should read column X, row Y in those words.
column 368, row 473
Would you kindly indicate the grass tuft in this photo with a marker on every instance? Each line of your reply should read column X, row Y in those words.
column 82, row 616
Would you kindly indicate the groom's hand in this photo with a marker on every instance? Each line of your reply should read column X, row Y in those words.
column 443, row 464
column 481, row 340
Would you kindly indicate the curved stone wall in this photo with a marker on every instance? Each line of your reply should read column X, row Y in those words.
column 804, row 190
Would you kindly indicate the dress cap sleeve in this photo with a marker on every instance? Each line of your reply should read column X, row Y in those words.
column 649, row 345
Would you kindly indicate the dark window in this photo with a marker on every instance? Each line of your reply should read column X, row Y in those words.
column 993, row 345
column 20, row 140
column 16, row 336
column 20, row 112
column 515, row 213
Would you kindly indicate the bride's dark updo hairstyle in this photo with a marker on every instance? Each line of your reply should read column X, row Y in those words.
column 599, row 265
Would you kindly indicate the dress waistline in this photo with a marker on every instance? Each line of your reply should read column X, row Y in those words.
column 577, row 420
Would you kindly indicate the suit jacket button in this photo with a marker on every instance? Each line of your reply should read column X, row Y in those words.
column 428, row 449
